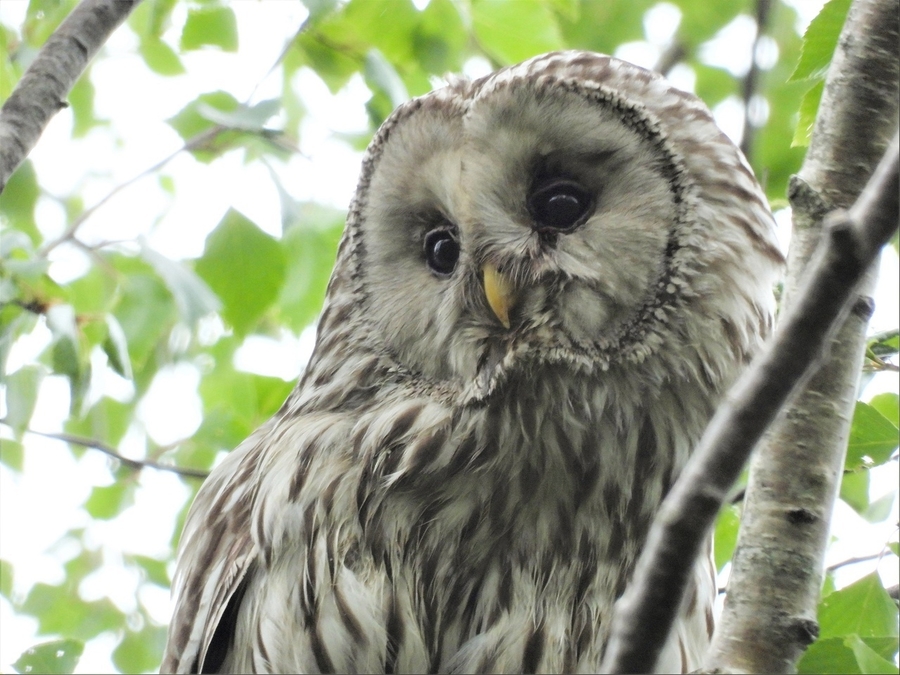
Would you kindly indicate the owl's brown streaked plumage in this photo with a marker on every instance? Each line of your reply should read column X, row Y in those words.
column 547, row 280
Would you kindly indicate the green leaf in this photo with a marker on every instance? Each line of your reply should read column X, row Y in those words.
column 864, row 608
column 829, row 656
column 251, row 118
column 869, row 661
column 440, row 38
column 247, row 400
column 334, row 66
column 319, row 8
column 809, row 108
column 155, row 570
column 380, row 75
column 115, row 346
column 107, row 419
column 142, row 651
column 58, row 656
column 18, row 199
column 310, row 252
column 93, row 292
column 145, row 310
column 6, row 579
column 894, row 548
column 59, row 610
column 109, row 501
column 160, row 57
column 873, row 438
column 210, row 25
column 150, row 19
column 855, row 489
column 885, row 344
column 189, row 121
column 81, row 103
column 850, row 654
column 820, row 40
column 192, row 296
column 880, row 509
column 12, row 454
column 513, row 31
column 66, row 356
column 245, row 268
column 888, row 404
column 385, row 24
column 725, row 539
column 21, row 396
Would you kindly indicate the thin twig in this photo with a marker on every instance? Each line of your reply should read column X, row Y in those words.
column 136, row 464
column 197, row 141
column 751, row 79
column 855, row 561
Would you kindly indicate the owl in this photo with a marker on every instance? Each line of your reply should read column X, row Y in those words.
column 548, row 278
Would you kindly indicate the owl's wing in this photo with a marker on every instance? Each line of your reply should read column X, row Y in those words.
column 216, row 558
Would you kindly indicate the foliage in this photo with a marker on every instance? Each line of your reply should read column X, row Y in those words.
column 138, row 312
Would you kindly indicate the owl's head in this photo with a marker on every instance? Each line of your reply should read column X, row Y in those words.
column 571, row 209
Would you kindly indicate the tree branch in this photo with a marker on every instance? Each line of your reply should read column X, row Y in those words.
column 795, row 475
column 136, row 464
column 41, row 92
column 645, row 613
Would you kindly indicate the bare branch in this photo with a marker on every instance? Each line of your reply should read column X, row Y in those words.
column 774, row 588
column 195, row 142
column 41, row 92
column 136, row 464
column 855, row 561
column 645, row 613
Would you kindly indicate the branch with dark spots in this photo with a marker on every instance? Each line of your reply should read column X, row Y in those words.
column 646, row 612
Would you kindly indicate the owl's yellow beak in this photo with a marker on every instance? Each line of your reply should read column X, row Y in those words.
column 500, row 293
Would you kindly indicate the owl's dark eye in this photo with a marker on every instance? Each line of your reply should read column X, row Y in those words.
column 441, row 251
column 561, row 205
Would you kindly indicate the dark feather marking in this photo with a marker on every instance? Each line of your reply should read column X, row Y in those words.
column 328, row 494
column 534, row 650
column 364, row 493
column 564, row 529
column 401, row 425
column 223, row 637
column 348, row 618
column 299, row 478
column 323, row 661
column 585, row 484
column 587, row 554
column 504, row 592
column 529, row 478
column 215, row 536
column 394, row 628
column 430, row 615
column 424, row 451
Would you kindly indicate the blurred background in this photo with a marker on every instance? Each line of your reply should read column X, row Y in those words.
column 165, row 251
